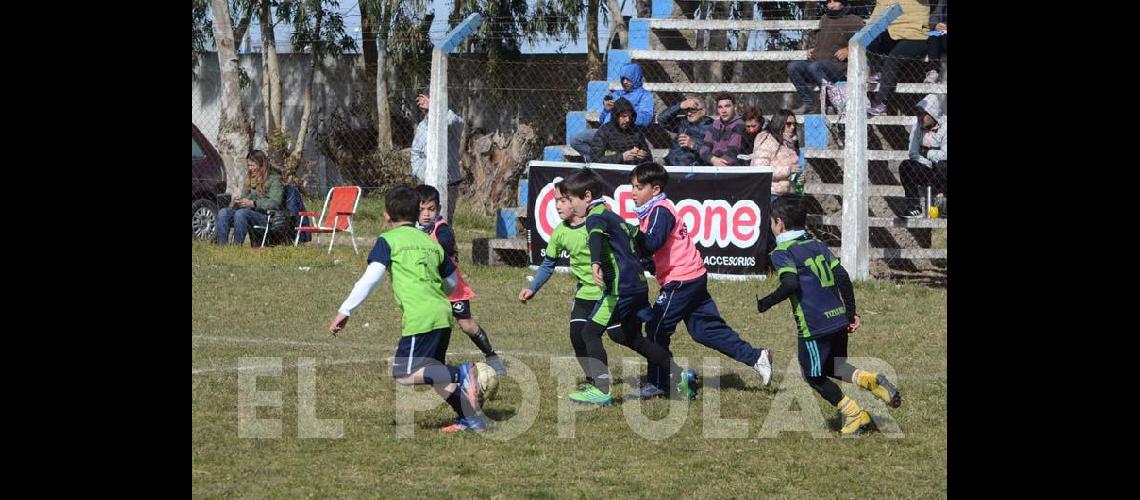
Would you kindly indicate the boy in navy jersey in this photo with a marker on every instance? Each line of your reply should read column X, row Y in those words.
column 625, row 301
column 823, row 305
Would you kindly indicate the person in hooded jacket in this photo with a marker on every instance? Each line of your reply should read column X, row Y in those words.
column 927, row 163
column 632, row 90
column 621, row 140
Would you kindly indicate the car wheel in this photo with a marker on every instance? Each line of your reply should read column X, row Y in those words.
column 205, row 219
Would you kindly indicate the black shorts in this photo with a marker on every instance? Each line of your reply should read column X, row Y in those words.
column 417, row 351
column 818, row 356
column 582, row 309
column 461, row 309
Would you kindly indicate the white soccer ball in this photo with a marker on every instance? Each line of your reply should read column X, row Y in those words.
column 488, row 380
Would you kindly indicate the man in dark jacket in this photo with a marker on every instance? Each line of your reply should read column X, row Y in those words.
column 620, row 140
column 688, row 120
column 827, row 57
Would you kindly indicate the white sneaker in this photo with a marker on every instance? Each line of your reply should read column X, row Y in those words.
column 495, row 362
column 763, row 366
column 931, row 76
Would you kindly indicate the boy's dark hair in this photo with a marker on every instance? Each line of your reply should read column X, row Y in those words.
column 754, row 113
column 650, row 173
column 791, row 210
column 722, row 97
column 402, row 203
column 581, row 181
column 428, row 193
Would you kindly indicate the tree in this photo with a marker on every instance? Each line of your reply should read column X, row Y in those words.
column 270, row 74
column 318, row 27
column 617, row 25
column 394, row 34
column 203, row 28
column 235, row 132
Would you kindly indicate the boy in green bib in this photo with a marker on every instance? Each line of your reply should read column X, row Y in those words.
column 421, row 280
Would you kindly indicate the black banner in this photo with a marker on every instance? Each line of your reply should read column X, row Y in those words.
column 724, row 208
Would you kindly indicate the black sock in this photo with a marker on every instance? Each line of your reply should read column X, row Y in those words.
column 596, row 365
column 453, row 401
column 482, row 342
column 827, row 389
column 579, row 346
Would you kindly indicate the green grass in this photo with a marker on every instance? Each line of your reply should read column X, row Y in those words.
column 277, row 303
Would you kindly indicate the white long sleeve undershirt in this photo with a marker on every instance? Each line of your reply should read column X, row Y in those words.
column 364, row 286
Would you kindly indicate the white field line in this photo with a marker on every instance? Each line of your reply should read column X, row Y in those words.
column 726, row 368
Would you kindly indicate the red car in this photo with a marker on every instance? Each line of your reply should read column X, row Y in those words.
column 209, row 181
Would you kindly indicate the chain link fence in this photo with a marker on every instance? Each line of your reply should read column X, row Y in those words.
column 514, row 108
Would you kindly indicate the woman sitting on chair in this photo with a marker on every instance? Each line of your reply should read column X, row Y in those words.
column 263, row 191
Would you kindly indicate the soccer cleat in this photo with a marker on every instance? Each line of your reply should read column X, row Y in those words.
column 886, row 391
column 647, row 391
column 852, row 419
column 497, row 363
column 592, row 395
column 469, row 386
column 763, row 366
column 687, row 387
column 854, row 425
column 473, row 424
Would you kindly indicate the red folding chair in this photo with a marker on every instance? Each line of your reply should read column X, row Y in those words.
column 340, row 206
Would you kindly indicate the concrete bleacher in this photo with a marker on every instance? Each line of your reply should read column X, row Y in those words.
column 822, row 156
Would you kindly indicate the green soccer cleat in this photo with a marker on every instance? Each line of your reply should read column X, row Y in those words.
column 687, row 387
column 591, row 395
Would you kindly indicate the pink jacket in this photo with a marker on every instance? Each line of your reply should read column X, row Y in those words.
column 771, row 152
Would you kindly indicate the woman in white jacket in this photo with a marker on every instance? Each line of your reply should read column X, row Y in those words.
column 927, row 163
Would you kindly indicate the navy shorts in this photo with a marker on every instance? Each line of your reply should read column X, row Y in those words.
column 417, row 351
column 818, row 356
column 461, row 309
column 612, row 310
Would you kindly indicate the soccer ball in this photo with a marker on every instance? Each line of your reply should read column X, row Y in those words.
column 488, row 380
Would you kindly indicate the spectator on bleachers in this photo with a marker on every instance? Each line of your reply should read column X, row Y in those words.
column 688, row 120
column 826, row 56
column 903, row 41
column 621, row 140
column 927, row 163
column 632, row 91
column 936, row 45
column 753, row 124
column 779, row 147
column 724, row 137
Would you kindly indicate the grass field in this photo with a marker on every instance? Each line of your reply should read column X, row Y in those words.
column 276, row 303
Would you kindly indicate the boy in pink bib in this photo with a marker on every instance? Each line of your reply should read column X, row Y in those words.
column 680, row 271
